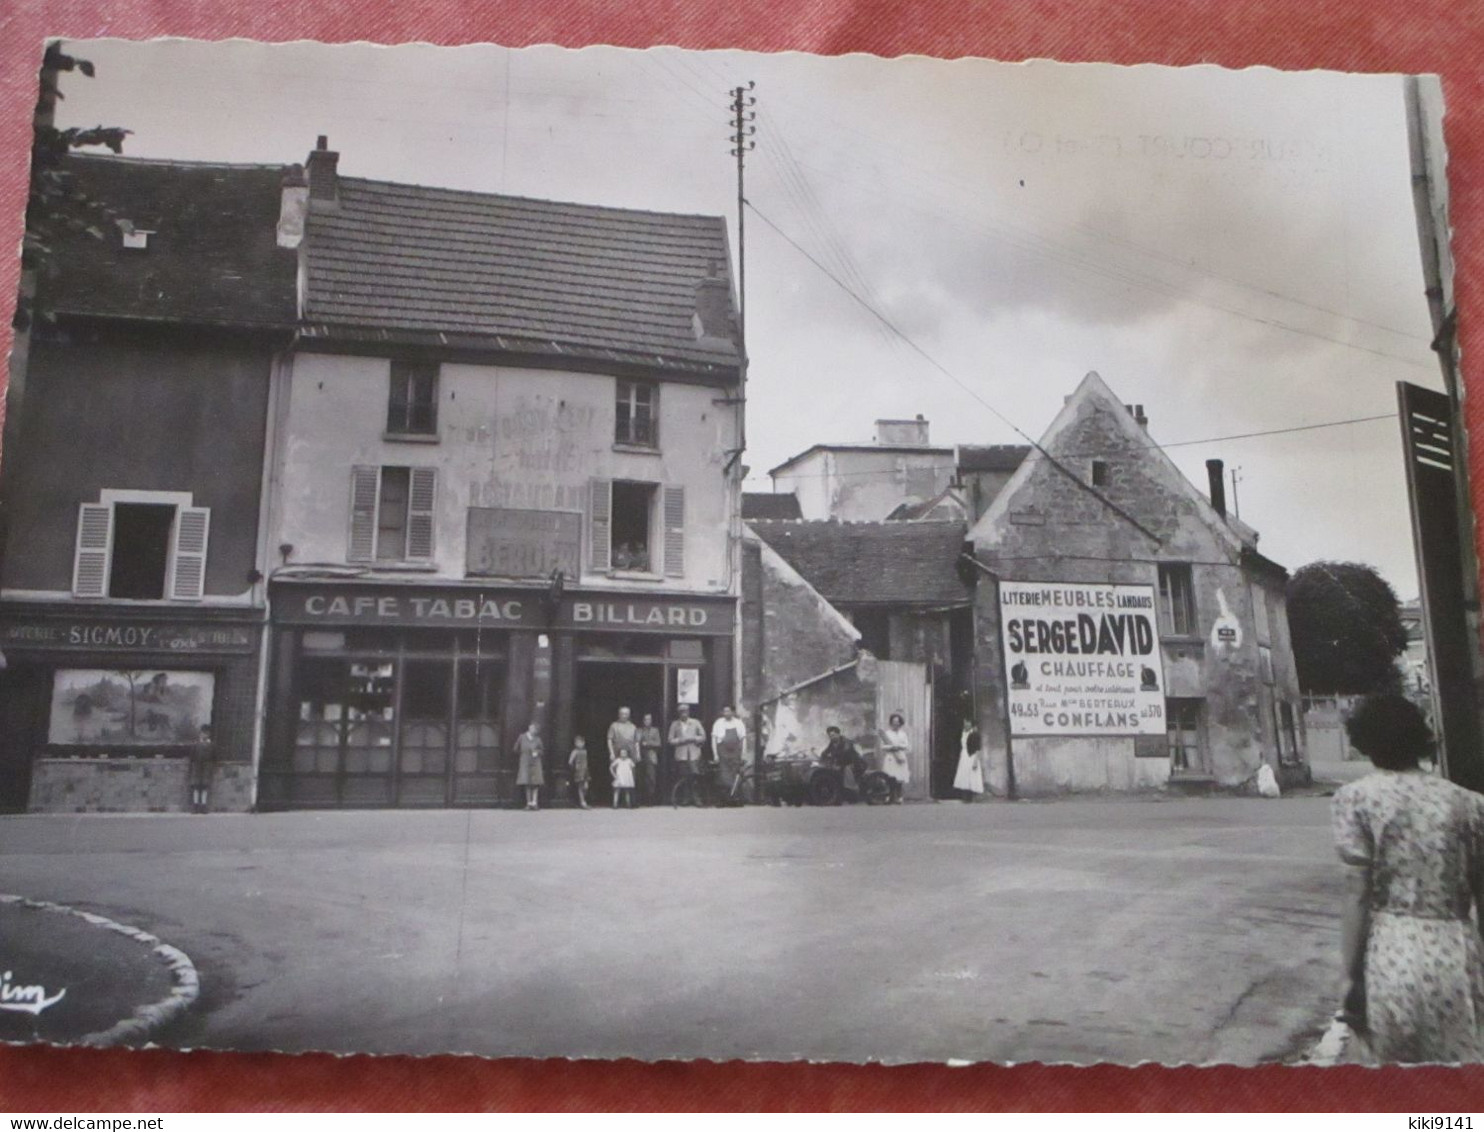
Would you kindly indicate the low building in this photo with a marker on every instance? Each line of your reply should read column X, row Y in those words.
column 1128, row 633
column 860, row 482
column 899, row 585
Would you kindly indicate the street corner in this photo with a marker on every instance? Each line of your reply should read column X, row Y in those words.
column 72, row 977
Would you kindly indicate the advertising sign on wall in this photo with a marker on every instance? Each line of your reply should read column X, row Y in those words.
column 508, row 543
column 1081, row 659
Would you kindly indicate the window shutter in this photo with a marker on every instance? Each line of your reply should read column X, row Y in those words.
column 675, row 532
column 94, row 554
column 365, row 483
column 188, row 553
column 420, row 497
column 600, row 526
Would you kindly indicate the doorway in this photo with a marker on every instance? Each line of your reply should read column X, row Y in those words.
column 602, row 688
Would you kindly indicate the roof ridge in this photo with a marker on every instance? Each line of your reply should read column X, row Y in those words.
column 480, row 194
column 171, row 162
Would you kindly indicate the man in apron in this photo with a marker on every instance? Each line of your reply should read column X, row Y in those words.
column 728, row 737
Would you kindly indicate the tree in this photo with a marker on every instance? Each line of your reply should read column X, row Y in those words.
column 1345, row 623
column 55, row 207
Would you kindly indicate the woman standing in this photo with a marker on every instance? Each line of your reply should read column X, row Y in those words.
column 1415, row 846
column 970, row 777
column 531, row 775
column 894, row 746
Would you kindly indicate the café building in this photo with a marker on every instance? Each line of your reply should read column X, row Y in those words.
column 506, row 485
column 403, row 696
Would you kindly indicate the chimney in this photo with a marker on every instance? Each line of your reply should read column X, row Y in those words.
column 1137, row 412
column 324, row 187
column 913, row 433
column 713, row 313
column 1216, row 474
column 292, row 208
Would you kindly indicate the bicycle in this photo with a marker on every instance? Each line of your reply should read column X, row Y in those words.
column 703, row 788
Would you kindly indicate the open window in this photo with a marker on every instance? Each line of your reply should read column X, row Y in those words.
column 141, row 546
column 412, row 403
column 636, row 527
column 391, row 514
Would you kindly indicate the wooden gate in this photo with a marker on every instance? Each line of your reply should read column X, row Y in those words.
column 903, row 686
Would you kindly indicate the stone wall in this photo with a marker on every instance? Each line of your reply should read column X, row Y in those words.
column 1047, row 526
column 105, row 786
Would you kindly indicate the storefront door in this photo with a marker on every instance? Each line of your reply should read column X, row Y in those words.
column 414, row 723
column 602, row 688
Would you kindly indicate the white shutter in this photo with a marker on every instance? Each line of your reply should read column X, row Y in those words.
column 365, row 486
column 600, row 525
column 675, row 532
column 93, row 557
column 420, row 496
column 188, row 553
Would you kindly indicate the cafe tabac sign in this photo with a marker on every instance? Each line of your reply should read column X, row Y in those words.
column 469, row 608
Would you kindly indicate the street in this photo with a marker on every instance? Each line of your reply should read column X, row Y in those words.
column 1125, row 930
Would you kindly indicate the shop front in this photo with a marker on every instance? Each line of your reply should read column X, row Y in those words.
column 109, row 709
column 404, row 695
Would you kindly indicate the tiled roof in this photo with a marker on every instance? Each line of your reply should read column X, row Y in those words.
column 543, row 275
column 991, row 457
column 213, row 257
column 770, row 505
column 885, row 563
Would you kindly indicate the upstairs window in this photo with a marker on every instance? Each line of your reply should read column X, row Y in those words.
column 141, row 546
column 638, row 527
column 636, row 419
column 391, row 514
column 1099, row 473
column 1177, row 599
column 412, row 405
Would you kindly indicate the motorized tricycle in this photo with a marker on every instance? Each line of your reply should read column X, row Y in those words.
column 795, row 777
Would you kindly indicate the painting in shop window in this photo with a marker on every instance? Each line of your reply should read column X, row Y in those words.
column 148, row 707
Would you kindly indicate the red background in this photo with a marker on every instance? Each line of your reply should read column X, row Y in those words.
column 1440, row 36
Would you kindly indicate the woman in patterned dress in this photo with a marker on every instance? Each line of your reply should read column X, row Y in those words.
column 1415, row 846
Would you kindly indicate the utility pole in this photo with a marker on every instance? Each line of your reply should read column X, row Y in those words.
column 743, row 119
column 1236, row 503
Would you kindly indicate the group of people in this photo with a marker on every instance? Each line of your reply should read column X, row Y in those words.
column 635, row 755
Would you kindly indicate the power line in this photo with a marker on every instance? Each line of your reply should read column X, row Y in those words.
column 946, row 372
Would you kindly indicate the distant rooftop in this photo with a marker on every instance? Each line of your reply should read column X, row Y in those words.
column 881, row 563
column 770, row 505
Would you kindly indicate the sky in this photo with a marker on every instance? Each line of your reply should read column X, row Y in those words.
column 1234, row 250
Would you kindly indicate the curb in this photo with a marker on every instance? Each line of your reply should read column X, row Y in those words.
column 186, row 982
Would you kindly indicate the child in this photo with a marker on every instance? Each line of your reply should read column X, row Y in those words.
column 577, row 760
column 623, row 778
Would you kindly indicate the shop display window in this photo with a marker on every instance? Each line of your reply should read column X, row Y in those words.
column 130, row 711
